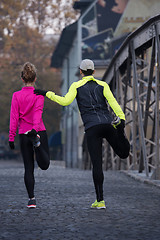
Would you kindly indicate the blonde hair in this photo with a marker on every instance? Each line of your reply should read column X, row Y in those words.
column 28, row 73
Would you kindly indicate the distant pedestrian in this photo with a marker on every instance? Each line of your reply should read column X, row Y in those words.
column 26, row 116
column 91, row 95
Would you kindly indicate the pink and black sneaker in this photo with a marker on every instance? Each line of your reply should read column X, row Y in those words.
column 31, row 203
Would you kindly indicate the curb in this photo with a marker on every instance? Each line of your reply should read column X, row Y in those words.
column 137, row 176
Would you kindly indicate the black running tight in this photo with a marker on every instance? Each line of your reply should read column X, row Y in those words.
column 42, row 157
column 117, row 141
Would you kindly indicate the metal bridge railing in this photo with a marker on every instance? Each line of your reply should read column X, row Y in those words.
column 134, row 78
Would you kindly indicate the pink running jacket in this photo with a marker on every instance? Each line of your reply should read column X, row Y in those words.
column 26, row 112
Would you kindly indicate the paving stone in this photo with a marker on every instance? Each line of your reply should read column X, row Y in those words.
column 63, row 208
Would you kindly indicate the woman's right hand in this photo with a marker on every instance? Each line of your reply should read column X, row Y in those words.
column 11, row 145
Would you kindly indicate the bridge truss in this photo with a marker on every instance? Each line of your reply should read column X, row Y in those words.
column 134, row 78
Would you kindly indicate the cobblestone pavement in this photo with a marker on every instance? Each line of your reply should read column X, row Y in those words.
column 63, row 206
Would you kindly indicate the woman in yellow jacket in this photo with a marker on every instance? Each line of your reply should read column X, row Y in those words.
column 92, row 97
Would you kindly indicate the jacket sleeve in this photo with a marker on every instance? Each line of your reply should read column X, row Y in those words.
column 38, row 110
column 67, row 99
column 14, row 118
column 113, row 102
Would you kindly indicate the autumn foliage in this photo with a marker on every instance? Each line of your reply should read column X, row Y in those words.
column 23, row 38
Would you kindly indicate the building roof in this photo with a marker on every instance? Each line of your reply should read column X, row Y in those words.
column 64, row 45
column 67, row 36
column 82, row 5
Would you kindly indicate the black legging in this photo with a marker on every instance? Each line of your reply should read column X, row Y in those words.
column 118, row 142
column 42, row 158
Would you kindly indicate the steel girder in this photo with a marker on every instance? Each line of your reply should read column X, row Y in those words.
column 134, row 78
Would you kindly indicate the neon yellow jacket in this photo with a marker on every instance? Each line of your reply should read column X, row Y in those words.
column 91, row 95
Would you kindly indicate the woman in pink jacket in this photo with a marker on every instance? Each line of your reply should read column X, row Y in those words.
column 26, row 116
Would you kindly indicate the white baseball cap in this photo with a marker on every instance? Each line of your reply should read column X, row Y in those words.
column 87, row 64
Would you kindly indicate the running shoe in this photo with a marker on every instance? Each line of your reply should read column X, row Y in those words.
column 116, row 121
column 98, row 205
column 31, row 203
column 35, row 138
column 36, row 141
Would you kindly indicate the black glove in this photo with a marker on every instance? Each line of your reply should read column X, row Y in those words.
column 118, row 123
column 32, row 133
column 122, row 123
column 11, row 145
column 40, row 92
